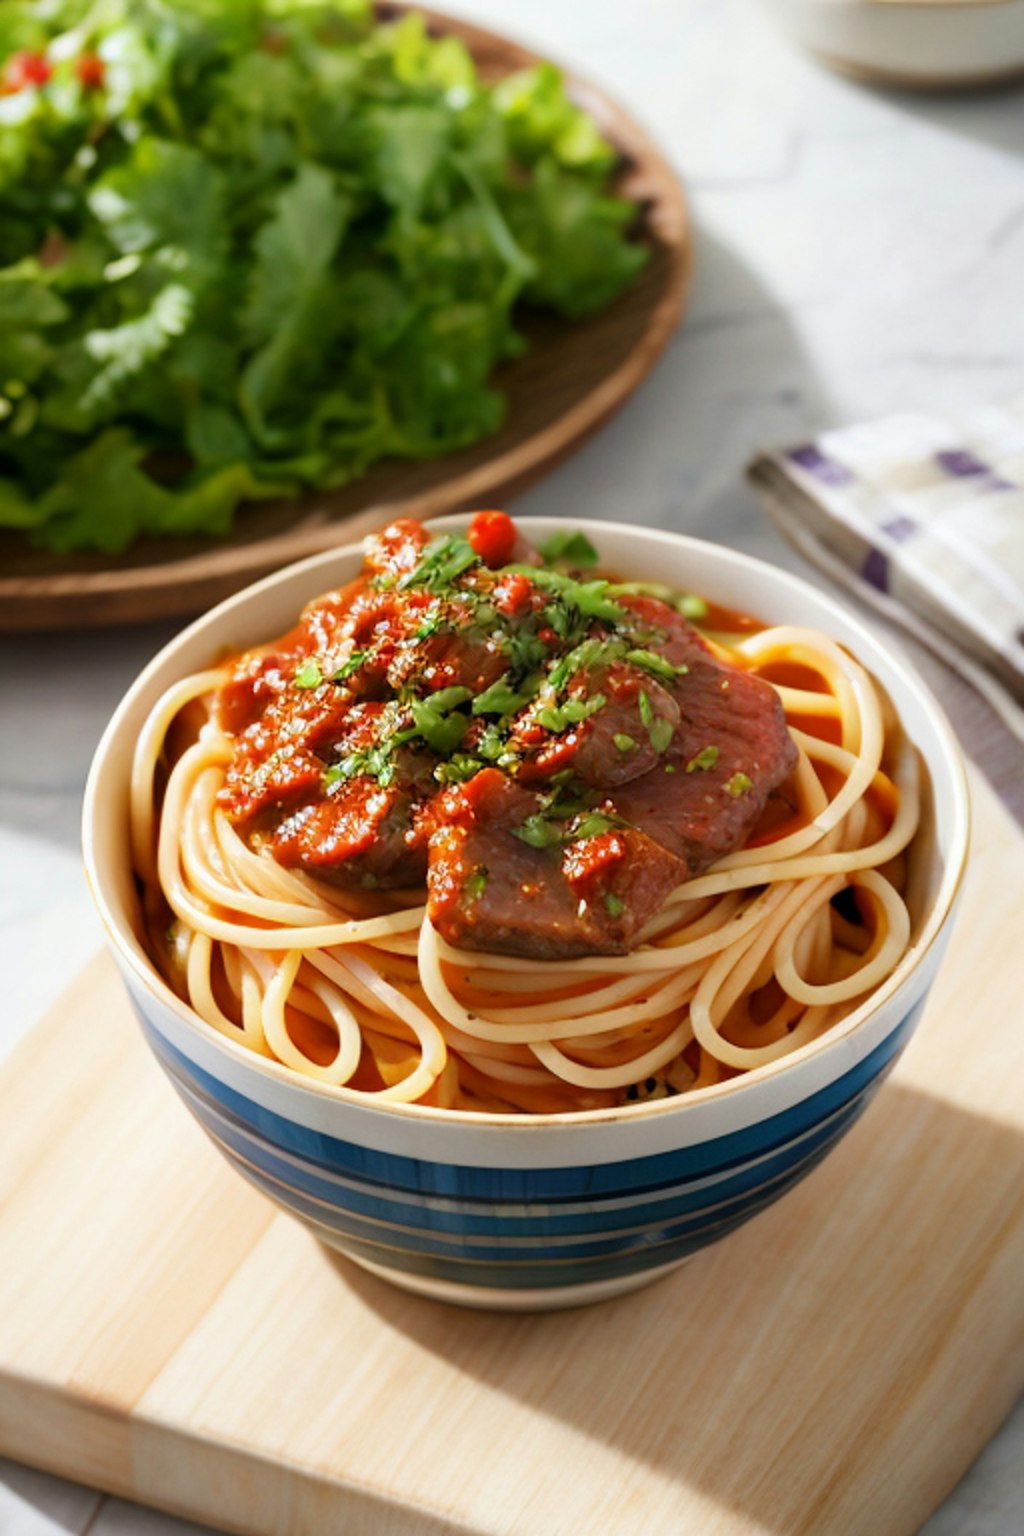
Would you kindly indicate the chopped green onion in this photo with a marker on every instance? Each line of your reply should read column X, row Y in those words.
column 691, row 606
column 623, row 741
column 430, row 625
column 706, row 758
column 614, row 905
column 646, row 710
column 589, row 597
column 538, row 832
column 460, row 767
column 309, row 674
column 440, row 728
column 446, row 699
column 499, row 699
column 555, row 718
column 443, row 561
column 661, row 733
column 738, row 785
column 659, row 665
column 345, row 671
column 596, row 824
column 477, row 883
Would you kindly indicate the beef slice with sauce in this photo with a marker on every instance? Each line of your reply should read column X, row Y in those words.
column 690, row 810
column 490, row 890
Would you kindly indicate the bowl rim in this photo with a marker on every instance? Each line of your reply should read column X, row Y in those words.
column 130, row 951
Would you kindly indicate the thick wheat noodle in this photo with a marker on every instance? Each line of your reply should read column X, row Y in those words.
column 259, row 947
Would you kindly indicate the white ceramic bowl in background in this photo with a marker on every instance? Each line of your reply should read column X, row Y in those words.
column 921, row 44
column 502, row 1210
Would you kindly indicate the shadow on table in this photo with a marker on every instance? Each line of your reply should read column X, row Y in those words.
column 993, row 115
column 735, row 375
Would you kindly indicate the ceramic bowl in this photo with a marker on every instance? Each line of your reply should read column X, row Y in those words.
column 500, row 1210
column 920, row 44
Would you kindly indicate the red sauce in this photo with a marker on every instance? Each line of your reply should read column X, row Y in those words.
column 552, row 756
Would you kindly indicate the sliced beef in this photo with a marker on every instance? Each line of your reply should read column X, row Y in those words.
column 254, row 681
column 671, row 770
column 279, row 758
column 360, row 834
column 616, row 743
column 730, row 751
column 448, row 661
column 491, row 890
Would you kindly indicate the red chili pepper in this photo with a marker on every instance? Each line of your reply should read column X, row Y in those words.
column 493, row 536
column 513, row 592
column 91, row 71
column 22, row 70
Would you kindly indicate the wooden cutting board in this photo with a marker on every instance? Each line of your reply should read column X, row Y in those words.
column 832, row 1368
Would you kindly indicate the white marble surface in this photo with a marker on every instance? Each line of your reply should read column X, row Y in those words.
column 858, row 251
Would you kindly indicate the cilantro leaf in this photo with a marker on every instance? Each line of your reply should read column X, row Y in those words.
column 572, row 547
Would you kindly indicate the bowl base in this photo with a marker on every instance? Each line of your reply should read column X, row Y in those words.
column 907, row 80
column 487, row 1298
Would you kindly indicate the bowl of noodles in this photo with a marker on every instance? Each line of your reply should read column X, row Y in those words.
column 524, row 906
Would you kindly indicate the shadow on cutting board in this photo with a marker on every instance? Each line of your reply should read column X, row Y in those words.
column 832, row 1367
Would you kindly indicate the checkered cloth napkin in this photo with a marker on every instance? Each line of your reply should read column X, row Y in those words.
column 924, row 517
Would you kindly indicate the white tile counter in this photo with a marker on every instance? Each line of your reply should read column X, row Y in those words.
column 857, row 251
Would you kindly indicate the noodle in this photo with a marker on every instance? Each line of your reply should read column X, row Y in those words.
column 743, row 965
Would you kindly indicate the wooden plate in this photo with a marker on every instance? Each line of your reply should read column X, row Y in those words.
column 569, row 382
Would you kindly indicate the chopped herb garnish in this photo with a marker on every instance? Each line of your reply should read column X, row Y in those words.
column 444, row 560
column 438, row 721
column 659, row 729
column 432, row 621
column 477, row 883
column 661, row 733
column 691, row 606
column 706, row 758
column 376, row 762
column 574, row 548
column 500, row 699
column 309, row 674
column 572, row 712
column 458, row 769
column 738, row 785
column 614, row 905
column 345, row 671
column 584, row 658
column 596, row 823
column 491, row 743
column 660, row 666
column 589, row 597
column 623, row 741
column 538, row 832
column 523, row 650
column 559, row 619
column 670, row 767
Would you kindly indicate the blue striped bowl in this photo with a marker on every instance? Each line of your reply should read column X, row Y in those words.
column 503, row 1211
